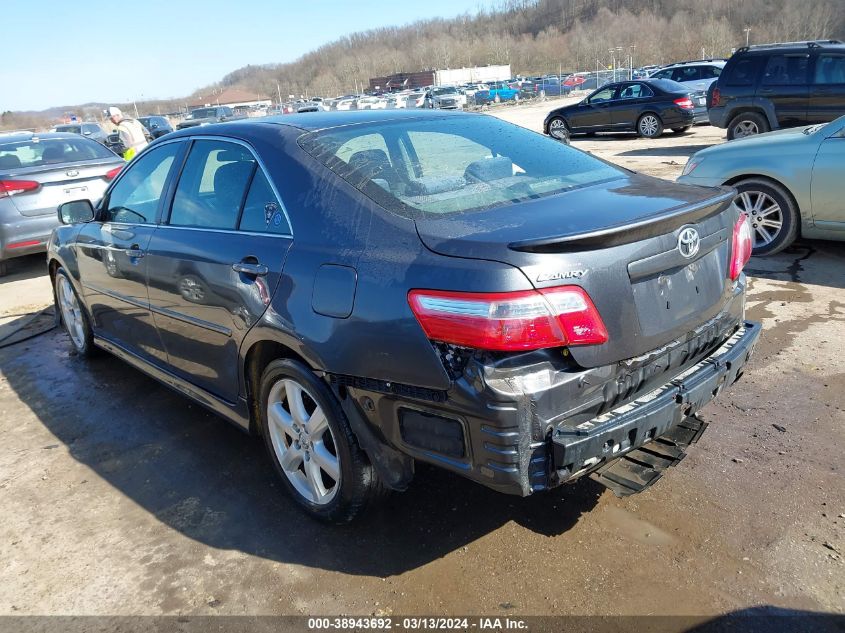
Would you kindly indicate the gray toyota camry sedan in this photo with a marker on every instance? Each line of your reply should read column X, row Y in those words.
column 370, row 290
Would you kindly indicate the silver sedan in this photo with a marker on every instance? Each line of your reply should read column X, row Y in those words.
column 790, row 182
column 38, row 172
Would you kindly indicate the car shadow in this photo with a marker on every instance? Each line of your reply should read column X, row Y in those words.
column 670, row 150
column 203, row 477
column 770, row 619
column 815, row 262
column 26, row 267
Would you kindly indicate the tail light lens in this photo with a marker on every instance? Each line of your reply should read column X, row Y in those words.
column 110, row 174
column 509, row 321
column 715, row 98
column 13, row 187
column 742, row 245
column 684, row 102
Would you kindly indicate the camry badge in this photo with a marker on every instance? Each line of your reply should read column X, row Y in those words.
column 689, row 242
column 568, row 274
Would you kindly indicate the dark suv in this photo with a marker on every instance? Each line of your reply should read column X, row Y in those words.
column 773, row 86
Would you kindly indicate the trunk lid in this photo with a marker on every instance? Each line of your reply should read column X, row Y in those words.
column 620, row 242
column 60, row 183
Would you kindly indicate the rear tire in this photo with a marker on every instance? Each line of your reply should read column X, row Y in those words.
column 73, row 315
column 649, row 125
column 774, row 215
column 747, row 124
column 325, row 470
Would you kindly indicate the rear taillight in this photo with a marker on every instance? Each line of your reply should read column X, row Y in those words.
column 13, row 187
column 509, row 321
column 111, row 173
column 742, row 245
column 715, row 98
column 684, row 102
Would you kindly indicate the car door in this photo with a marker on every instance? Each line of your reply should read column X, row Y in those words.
column 595, row 113
column 827, row 89
column 785, row 84
column 826, row 183
column 111, row 252
column 626, row 109
column 214, row 263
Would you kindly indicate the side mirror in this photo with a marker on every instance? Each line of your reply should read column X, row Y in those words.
column 76, row 212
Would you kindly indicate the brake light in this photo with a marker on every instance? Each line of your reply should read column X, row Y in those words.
column 742, row 245
column 13, row 187
column 111, row 173
column 509, row 321
column 684, row 102
column 715, row 98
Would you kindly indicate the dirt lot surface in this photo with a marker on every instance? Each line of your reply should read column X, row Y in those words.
column 118, row 496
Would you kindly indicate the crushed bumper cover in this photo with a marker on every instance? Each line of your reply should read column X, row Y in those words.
column 658, row 425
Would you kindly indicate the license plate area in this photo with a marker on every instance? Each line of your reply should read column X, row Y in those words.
column 665, row 299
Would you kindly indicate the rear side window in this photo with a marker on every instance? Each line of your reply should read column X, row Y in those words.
column 710, row 72
column 686, row 73
column 262, row 211
column 743, row 72
column 830, row 69
column 43, row 152
column 134, row 198
column 635, row 91
column 786, row 70
column 213, row 185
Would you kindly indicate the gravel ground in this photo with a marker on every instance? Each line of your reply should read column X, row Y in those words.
column 118, row 496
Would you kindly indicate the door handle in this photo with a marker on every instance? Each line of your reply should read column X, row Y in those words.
column 254, row 270
column 135, row 251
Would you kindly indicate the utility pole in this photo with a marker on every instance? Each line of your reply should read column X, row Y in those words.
column 747, row 30
column 279, row 90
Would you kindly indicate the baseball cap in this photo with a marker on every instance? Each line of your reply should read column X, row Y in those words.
column 112, row 111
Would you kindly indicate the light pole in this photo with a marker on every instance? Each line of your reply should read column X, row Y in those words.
column 747, row 31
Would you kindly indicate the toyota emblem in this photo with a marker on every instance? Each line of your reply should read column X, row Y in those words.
column 689, row 242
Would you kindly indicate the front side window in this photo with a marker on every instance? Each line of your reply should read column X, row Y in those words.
column 830, row 69
column 134, row 199
column 448, row 166
column 663, row 74
column 602, row 95
column 212, row 185
column 786, row 70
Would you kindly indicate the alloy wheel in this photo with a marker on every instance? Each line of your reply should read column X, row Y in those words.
column 303, row 441
column 557, row 129
column 71, row 312
column 765, row 214
column 649, row 125
column 745, row 128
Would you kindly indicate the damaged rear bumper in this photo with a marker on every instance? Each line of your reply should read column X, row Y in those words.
column 653, row 417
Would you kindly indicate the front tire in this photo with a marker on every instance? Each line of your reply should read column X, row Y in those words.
column 773, row 213
column 747, row 124
column 73, row 315
column 649, row 125
column 312, row 445
column 559, row 130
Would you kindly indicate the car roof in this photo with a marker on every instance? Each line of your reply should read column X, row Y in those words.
column 697, row 62
column 311, row 121
column 27, row 136
column 802, row 46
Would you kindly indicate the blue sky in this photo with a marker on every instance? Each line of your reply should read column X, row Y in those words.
column 70, row 52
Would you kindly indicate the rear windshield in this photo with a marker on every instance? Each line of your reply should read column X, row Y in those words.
column 203, row 113
column 37, row 152
column 667, row 85
column 72, row 129
column 451, row 165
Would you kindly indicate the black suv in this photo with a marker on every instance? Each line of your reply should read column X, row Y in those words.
column 773, row 86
